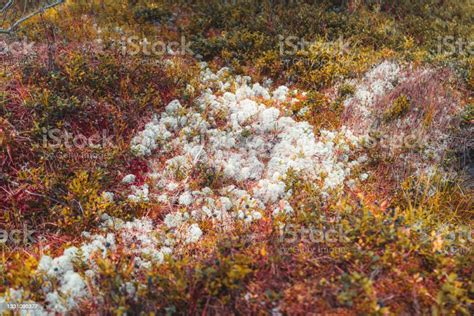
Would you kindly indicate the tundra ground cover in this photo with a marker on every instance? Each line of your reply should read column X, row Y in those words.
column 247, row 172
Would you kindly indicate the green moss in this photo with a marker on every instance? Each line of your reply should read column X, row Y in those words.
column 346, row 90
column 468, row 113
column 399, row 107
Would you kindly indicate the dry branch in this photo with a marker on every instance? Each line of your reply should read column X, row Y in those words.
column 29, row 16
